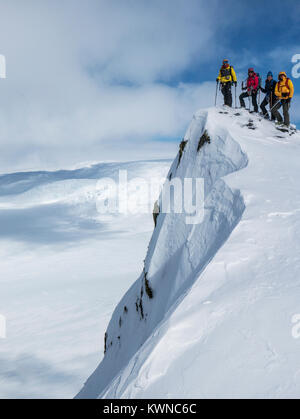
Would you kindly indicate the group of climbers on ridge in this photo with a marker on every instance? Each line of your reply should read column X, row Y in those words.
column 277, row 94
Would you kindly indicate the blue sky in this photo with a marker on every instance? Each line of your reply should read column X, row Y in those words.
column 121, row 79
column 264, row 35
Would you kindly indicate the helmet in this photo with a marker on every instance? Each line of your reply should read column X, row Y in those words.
column 225, row 61
column 251, row 70
column 282, row 73
column 270, row 74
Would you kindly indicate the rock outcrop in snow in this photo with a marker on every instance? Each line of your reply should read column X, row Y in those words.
column 217, row 147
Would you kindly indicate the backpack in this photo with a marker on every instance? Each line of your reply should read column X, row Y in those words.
column 286, row 84
column 259, row 80
column 226, row 72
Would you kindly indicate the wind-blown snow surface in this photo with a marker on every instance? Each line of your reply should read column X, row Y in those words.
column 224, row 291
column 63, row 268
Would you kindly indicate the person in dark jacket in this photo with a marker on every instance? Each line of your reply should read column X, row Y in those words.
column 252, row 89
column 270, row 97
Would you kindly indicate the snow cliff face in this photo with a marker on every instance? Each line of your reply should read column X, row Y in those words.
column 198, row 321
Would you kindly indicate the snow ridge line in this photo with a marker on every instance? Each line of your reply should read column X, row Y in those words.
column 171, row 270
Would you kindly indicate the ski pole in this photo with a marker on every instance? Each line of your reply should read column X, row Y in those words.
column 249, row 100
column 250, row 95
column 270, row 104
column 276, row 103
column 273, row 100
column 216, row 93
column 235, row 95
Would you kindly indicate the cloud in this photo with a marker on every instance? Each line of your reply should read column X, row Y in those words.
column 282, row 57
column 117, row 123
column 100, row 79
column 81, row 74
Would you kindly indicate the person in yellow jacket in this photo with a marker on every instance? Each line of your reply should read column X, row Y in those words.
column 227, row 78
column 284, row 91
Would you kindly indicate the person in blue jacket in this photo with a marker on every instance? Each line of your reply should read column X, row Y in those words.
column 270, row 95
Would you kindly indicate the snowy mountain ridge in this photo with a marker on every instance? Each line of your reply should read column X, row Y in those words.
column 188, row 327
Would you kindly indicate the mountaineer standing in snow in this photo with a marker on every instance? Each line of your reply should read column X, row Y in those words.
column 252, row 89
column 284, row 91
column 227, row 78
column 270, row 95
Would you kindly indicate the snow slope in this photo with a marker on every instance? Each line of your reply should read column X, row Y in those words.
column 59, row 278
column 224, row 291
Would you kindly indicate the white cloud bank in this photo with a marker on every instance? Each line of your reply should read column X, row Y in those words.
column 87, row 80
column 91, row 80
